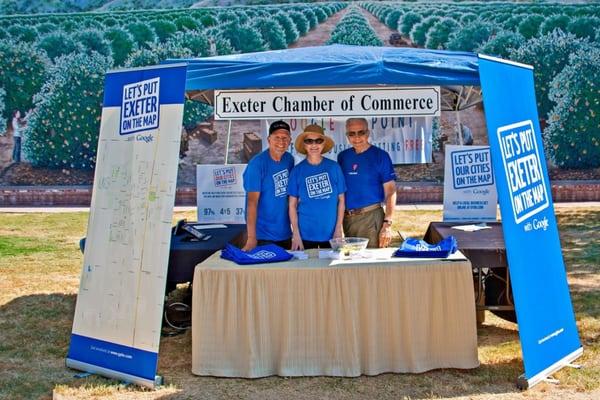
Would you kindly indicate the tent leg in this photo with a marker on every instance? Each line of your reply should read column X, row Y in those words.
column 227, row 144
column 458, row 127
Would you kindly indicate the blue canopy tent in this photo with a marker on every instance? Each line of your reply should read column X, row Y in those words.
column 547, row 329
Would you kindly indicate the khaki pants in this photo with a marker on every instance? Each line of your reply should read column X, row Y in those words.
column 365, row 225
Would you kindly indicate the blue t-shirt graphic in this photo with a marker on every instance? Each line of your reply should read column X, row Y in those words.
column 270, row 178
column 317, row 188
column 365, row 174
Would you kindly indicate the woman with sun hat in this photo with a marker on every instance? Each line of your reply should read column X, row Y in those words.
column 316, row 188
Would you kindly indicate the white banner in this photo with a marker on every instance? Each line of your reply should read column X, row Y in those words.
column 469, row 188
column 406, row 139
column 220, row 194
column 118, row 315
column 318, row 103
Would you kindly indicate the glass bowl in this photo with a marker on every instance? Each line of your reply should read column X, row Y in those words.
column 349, row 246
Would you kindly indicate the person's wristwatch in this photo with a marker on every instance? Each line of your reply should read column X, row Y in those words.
column 387, row 222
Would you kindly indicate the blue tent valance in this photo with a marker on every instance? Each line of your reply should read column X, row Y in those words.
column 333, row 65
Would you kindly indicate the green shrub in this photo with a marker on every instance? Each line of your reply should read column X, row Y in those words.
column 93, row 40
column 271, row 32
column 502, row 44
column 320, row 14
column 584, row 27
column 438, row 34
column 548, row 54
column 393, row 18
column 557, row 21
column 209, row 20
column 419, row 31
column 195, row 41
column 143, row 35
column 243, row 38
column 573, row 134
column 2, row 102
column 186, row 23
column 23, row 33
column 289, row 28
column 121, row 44
column 45, row 27
column 408, row 20
column 156, row 53
column 530, row 25
column 300, row 21
column 62, row 131
column 472, row 36
column 163, row 29
column 311, row 18
column 57, row 44
column 195, row 112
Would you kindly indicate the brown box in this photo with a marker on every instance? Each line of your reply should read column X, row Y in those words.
column 208, row 135
column 252, row 145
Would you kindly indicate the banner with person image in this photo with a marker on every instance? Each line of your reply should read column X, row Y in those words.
column 408, row 140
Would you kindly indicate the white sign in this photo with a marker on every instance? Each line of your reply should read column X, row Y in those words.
column 140, row 106
column 469, row 187
column 406, row 139
column 519, row 150
column 348, row 102
column 220, row 194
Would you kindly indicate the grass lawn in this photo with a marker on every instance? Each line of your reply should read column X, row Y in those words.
column 40, row 265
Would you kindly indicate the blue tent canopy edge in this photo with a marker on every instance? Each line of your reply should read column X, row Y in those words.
column 332, row 65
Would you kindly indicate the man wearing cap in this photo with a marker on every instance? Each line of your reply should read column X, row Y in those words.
column 316, row 190
column 370, row 179
column 266, row 184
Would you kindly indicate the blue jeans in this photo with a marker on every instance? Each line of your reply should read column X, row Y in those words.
column 16, row 155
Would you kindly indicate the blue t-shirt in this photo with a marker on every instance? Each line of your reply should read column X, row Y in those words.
column 365, row 174
column 317, row 188
column 270, row 178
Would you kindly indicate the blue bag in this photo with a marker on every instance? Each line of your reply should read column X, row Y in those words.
column 261, row 254
column 416, row 248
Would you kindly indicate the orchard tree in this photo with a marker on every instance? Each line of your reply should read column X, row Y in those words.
column 548, row 54
column 197, row 42
column 556, row 21
column 271, row 32
column 472, row 36
column 584, row 27
column 291, row 33
column 573, row 133
column 57, row 44
column 62, row 131
column 143, row 35
column 502, row 44
column 93, row 40
column 243, row 38
column 23, row 71
column 121, row 44
column 439, row 34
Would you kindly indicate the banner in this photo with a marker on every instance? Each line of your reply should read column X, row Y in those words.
column 469, row 189
column 547, row 329
column 408, row 140
column 318, row 103
column 118, row 315
column 221, row 197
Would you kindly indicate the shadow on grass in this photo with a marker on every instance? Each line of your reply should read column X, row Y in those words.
column 34, row 337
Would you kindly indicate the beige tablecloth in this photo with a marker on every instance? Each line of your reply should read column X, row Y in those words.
column 330, row 317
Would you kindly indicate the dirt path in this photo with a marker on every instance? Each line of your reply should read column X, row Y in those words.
column 381, row 29
column 320, row 35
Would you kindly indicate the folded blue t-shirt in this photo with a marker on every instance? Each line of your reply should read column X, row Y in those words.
column 416, row 248
column 261, row 254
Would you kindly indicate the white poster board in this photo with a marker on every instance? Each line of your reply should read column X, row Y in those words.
column 220, row 194
column 469, row 187
column 408, row 140
column 118, row 315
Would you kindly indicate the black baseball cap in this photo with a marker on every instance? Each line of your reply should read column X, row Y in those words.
column 279, row 125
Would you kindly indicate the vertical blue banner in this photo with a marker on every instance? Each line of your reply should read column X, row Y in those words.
column 547, row 329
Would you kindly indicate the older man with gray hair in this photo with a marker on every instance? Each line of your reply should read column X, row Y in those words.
column 371, row 182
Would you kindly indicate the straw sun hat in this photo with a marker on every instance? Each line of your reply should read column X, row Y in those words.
column 315, row 130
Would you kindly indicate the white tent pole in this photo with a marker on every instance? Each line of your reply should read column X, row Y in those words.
column 228, row 138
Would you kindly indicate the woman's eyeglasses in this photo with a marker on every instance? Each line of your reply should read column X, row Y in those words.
column 311, row 141
column 357, row 133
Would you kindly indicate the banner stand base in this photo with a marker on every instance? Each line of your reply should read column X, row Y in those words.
column 524, row 383
column 109, row 373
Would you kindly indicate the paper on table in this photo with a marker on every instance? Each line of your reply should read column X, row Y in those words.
column 210, row 226
column 299, row 254
column 472, row 227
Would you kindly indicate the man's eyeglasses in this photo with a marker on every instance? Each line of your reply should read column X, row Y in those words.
column 311, row 141
column 357, row 133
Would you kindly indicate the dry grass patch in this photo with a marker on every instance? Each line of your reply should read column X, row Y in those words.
column 40, row 267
